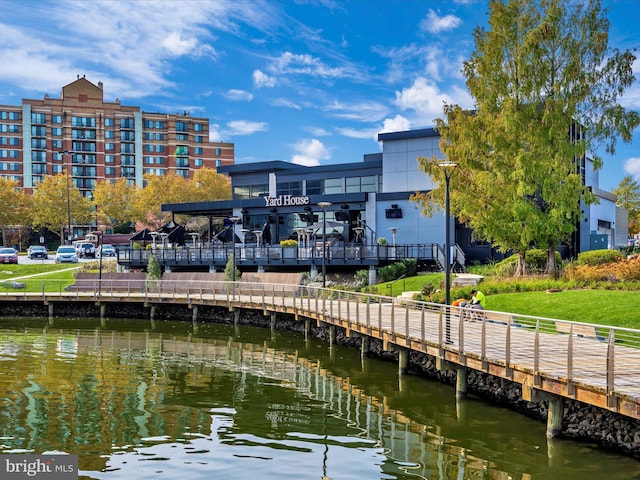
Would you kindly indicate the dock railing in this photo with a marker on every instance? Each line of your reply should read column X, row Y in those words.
column 606, row 359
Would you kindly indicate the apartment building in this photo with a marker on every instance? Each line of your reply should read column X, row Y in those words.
column 96, row 140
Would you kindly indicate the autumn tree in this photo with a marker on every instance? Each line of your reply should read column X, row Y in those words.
column 209, row 185
column 147, row 207
column 49, row 205
column 546, row 87
column 628, row 193
column 115, row 202
column 13, row 201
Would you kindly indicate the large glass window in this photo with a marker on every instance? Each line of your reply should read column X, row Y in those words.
column 38, row 156
column 182, row 137
column 182, row 173
column 127, row 148
column 250, row 191
column 127, row 160
column 360, row 184
column 315, row 187
column 56, row 132
column 109, row 134
column 39, row 143
column 182, row 127
column 109, row 122
column 56, row 143
column 127, row 136
column 289, row 188
column 109, row 159
column 332, row 185
column 198, row 139
column 198, row 150
column 182, row 162
column 57, row 119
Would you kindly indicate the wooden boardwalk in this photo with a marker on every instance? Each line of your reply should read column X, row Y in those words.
column 551, row 359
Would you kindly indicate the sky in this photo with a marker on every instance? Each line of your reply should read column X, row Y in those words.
column 305, row 81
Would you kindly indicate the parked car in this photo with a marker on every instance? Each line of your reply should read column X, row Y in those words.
column 85, row 250
column 106, row 250
column 8, row 255
column 66, row 253
column 37, row 251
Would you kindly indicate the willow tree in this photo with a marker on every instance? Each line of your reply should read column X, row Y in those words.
column 546, row 87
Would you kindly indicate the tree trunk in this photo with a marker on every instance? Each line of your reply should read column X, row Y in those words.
column 521, row 266
column 552, row 266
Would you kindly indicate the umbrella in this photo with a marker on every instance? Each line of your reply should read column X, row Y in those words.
column 227, row 235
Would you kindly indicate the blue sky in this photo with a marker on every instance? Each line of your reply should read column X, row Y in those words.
column 310, row 82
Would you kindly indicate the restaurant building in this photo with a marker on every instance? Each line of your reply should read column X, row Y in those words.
column 353, row 205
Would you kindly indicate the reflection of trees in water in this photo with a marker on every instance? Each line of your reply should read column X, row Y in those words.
column 120, row 387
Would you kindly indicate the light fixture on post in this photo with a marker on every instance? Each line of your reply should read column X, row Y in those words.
column 100, row 242
column 68, row 167
column 324, row 206
column 234, row 222
column 448, row 168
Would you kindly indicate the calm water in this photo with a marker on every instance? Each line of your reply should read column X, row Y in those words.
column 171, row 400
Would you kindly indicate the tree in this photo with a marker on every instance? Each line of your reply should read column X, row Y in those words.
column 114, row 202
column 628, row 193
column 209, row 185
column 49, row 205
column 159, row 190
column 13, row 201
column 546, row 87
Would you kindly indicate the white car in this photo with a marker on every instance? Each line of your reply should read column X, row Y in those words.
column 106, row 250
column 66, row 253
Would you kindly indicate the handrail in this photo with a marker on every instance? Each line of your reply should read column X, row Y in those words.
column 392, row 283
column 576, row 355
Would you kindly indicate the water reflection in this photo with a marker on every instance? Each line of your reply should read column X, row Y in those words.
column 140, row 401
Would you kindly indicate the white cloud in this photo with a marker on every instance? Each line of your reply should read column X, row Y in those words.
column 632, row 167
column 355, row 133
column 310, row 153
column 426, row 100
column 304, row 64
column 317, row 131
column 283, row 102
column 177, row 46
column 240, row 95
column 362, row 112
column 395, row 124
column 261, row 79
column 432, row 23
column 245, row 127
column 215, row 135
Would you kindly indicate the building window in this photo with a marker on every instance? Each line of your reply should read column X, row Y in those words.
column 109, row 134
column 38, row 156
column 56, row 169
column 360, row 184
column 250, row 191
column 315, row 187
column 38, row 131
column 109, row 122
column 198, row 139
column 39, row 143
column 148, row 160
column 182, row 150
column 218, row 152
column 127, row 123
column 109, row 159
column 57, row 119
column 181, row 137
column 110, row 147
column 83, row 122
column 197, row 162
column 127, row 148
column 332, row 186
column 39, row 118
column 289, row 188
column 56, row 143
column 182, row 127
column 198, row 150
column 128, row 172
column 198, row 127
column 127, row 160
column 182, row 162
column 127, row 136
column 159, row 148
column 218, row 162
column 110, row 170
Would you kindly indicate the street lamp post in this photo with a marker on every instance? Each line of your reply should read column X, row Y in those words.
column 324, row 206
column 448, row 168
column 69, row 236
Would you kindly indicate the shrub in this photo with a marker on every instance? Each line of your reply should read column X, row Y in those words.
column 361, row 278
column 382, row 241
column 289, row 243
column 598, row 257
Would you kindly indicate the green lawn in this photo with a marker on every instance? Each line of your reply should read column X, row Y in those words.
column 51, row 277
